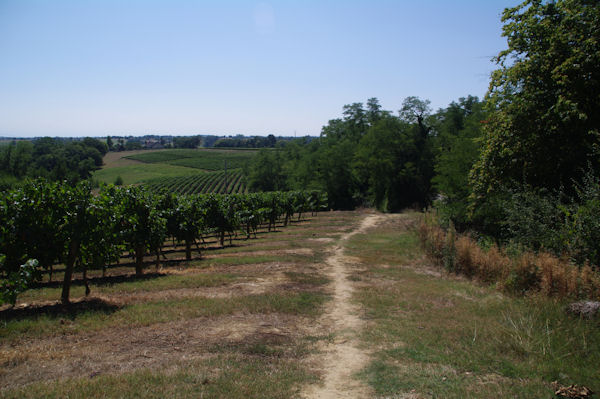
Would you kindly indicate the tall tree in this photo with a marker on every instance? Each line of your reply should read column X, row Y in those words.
column 458, row 132
column 544, row 129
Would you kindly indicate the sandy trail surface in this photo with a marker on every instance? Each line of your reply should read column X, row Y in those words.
column 342, row 358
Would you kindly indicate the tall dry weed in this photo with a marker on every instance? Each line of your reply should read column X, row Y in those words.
column 528, row 272
column 467, row 256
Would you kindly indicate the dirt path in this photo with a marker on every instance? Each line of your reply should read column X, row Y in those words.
column 341, row 359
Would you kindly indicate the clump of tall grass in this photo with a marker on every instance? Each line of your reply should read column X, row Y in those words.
column 521, row 273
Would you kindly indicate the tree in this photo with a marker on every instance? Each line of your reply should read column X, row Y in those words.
column 395, row 164
column 458, row 130
column 74, row 205
column 190, row 218
column 544, row 126
column 266, row 172
column 109, row 143
column 142, row 225
column 97, row 144
column 415, row 110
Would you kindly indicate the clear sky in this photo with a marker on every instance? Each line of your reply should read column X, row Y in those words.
column 93, row 68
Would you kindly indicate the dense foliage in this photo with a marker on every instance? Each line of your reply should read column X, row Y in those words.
column 533, row 180
column 544, row 126
column 53, row 159
column 246, row 142
column 367, row 157
column 62, row 223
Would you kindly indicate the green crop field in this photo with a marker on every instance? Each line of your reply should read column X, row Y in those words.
column 184, row 171
column 201, row 183
column 198, row 159
column 138, row 172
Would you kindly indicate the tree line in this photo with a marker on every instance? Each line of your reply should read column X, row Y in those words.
column 374, row 157
column 50, row 158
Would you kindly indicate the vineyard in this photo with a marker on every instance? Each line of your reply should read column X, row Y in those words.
column 43, row 224
column 221, row 182
column 198, row 159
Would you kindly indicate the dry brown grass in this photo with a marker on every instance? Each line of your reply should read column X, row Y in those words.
column 527, row 272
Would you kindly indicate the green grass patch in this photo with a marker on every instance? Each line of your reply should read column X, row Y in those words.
column 451, row 338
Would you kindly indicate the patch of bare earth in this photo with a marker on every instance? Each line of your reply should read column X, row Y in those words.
column 253, row 287
column 295, row 251
column 113, row 159
column 341, row 359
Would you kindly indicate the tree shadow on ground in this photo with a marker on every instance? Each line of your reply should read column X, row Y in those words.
column 58, row 310
column 107, row 280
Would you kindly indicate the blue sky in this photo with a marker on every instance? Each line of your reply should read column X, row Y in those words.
column 82, row 67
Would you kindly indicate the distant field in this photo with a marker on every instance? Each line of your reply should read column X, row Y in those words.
column 201, row 183
column 198, row 159
column 139, row 172
column 181, row 170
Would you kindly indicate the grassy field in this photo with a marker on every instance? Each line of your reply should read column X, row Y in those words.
column 250, row 320
column 436, row 335
column 140, row 172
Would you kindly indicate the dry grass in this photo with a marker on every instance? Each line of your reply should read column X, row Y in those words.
column 439, row 335
column 526, row 272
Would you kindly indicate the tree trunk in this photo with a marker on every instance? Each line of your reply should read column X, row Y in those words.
column 71, row 257
column 85, row 281
column 139, row 260
column 157, row 259
column 51, row 271
column 198, row 248
column 222, row 238
column 188, row 250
